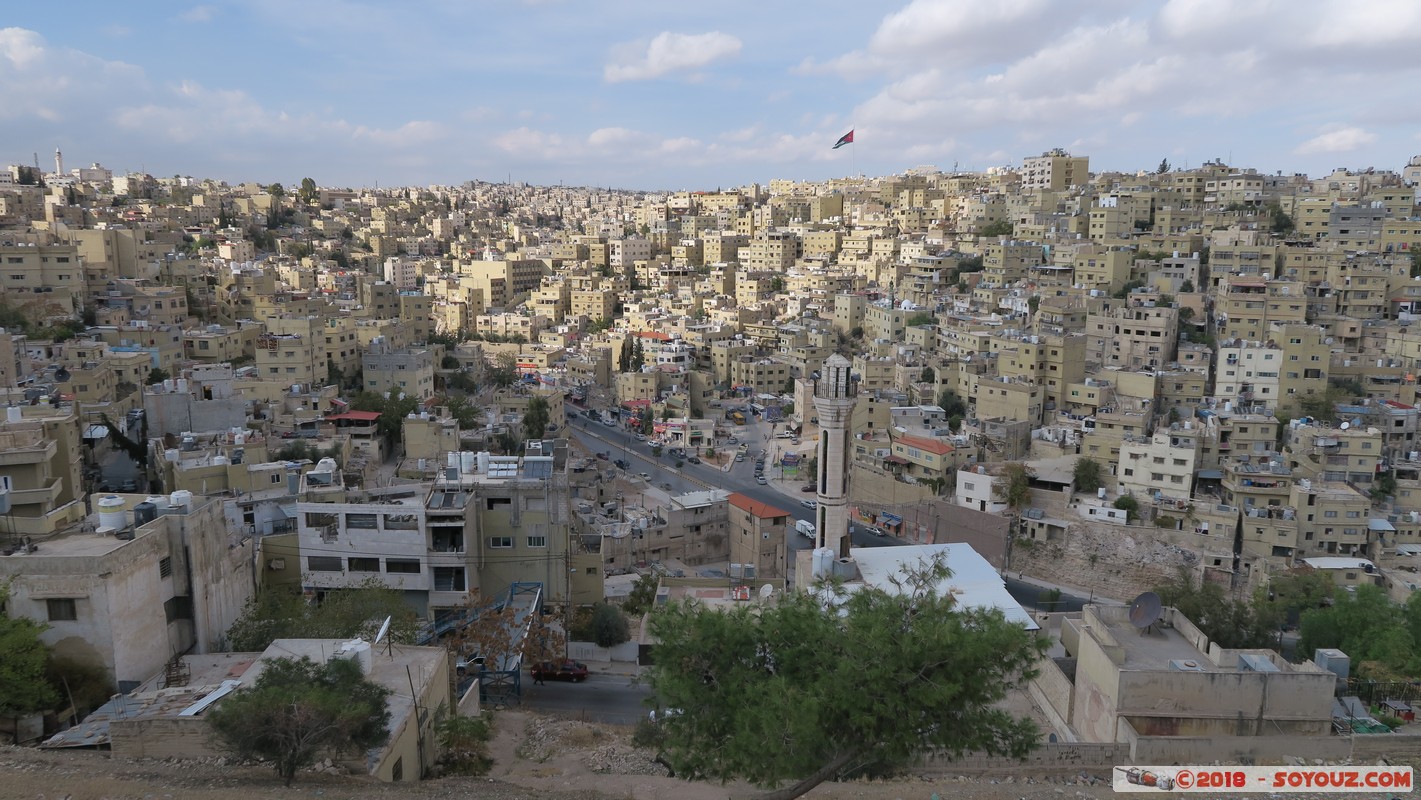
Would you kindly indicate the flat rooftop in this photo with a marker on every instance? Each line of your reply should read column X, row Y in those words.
column 1150, row 649
column 974, row 580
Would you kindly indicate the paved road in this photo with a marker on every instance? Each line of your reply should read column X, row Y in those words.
column 610, row 699
column 1033, row 597
column 698, row 477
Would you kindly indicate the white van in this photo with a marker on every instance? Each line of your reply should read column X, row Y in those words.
column 805, row 528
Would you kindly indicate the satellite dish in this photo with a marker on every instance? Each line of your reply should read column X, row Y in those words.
column 61, row 376
column 767, row 591
column 1344, row 425
column 384, row 629
column 1145, row 610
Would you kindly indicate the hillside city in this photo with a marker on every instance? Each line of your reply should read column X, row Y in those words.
column 1165, row 420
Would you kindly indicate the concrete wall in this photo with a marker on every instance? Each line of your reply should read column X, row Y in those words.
column 165, row 737
column 1273, row 749
column 587, row 651
column 1368, row 749
column 177, row 413
column 1055, row 688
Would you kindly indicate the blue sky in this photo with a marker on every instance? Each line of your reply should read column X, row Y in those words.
column 679, row 96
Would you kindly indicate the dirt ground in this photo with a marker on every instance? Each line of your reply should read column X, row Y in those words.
column 535, row 757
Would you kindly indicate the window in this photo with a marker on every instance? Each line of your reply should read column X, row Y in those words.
column 323, row 563
column 176, row 608
column 537, row 541
column 500, row 542
column 403, row 566
column 363, row 521
column 363, row 564
column 165, row 567
column 449, row 579
column 276, row 477
column 62, row 609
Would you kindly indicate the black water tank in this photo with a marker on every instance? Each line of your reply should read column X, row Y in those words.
column 144, row 513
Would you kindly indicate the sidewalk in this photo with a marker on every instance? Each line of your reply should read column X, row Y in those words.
column 625, row 668
column 1075, row 591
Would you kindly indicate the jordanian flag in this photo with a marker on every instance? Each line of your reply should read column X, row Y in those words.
column 847, row 138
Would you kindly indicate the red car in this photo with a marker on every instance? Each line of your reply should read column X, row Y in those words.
column 565, row 670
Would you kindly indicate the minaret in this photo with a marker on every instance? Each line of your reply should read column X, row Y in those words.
column 835, row 393
column 58, row 162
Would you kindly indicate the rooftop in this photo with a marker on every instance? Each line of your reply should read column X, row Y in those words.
column 974, row 580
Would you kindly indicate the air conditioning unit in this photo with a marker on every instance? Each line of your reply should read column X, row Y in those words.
column 276, row 563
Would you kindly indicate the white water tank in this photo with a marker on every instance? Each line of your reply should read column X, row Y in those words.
column 357, row 650
column 483, row 458
column 823, row 563
column 453, row 460
column 172, row 454
column 219, row 461
column 182, row 385
column 159, row 501
column 14, row 413
column 468, row 461
column 1100, row 493
column 239, row 438
column 180, row 501
column 325, row 465
column 111, row 512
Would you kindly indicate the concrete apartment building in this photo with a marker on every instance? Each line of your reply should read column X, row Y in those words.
column 289, row 358
column 758, row 538
column 131, row 586
column 1053, row 171
column 1162, row 464
column 409, row 372
column 1218, row 704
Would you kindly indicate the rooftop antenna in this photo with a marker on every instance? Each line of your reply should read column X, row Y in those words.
column 384, row 631
column 1145, row 611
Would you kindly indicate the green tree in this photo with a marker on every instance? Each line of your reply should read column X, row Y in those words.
column 998, row 228
column 1380, row 636
column 642, row 596
column 504, row 370
column 463, row 741
column 1163, row 167
column 921, row 318
column 777, row 284
column 24, row 688
column 1288, row 595
column 392, row 410
column 298, row 710
column 950, row 403
column 308, row 192
column 276, row 190
column 609, row 626
column 1227, row 623
column 638, row 355
column 535, row 417
column 1129, row 505
column 928, row 375
column 830, row 683
column 1087, row 474
column 280, row 613
column 1187, row 286
column 1013, row 485
column 157, row 375
column 1033, row 303
column 464, row 412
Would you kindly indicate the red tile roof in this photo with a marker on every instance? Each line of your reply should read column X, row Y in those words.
column 755, row 507
column 937, row 446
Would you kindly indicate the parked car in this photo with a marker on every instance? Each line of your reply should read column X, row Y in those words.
column 622, row 463
column 129, row 485
column 760, row 479
column 739, row 456
column 565, row 670
column 603, row 456
column 809, row 503
column 693, row 460
column 808, row 487
column 784, row 435
column 646, row 476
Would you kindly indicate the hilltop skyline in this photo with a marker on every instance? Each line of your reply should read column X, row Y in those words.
column 546, row 92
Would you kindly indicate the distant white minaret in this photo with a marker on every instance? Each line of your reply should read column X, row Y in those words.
column 58, row 162
column 835, row 394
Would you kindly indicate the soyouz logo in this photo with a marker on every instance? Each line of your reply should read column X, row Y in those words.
column 1270, row 779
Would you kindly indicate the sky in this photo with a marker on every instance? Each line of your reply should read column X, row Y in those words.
column 672, row 96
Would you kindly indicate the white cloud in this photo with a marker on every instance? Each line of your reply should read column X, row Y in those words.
column 198, row 14
column 1338, row 140
column 55, row 84
column 669, row 52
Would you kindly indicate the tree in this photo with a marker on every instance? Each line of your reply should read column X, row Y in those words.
column 157, row 375
column 535, row 417
column 1227, row 623
column 1381, row 637
column 504, row 370
column 624, row 356
column 1129, row 505
column 308, row 191
column 928, row 375
column 921, row 318
column 998, row 228
column 299, row 709
column 1013, row 485
column 392, row 410
column 642, row 596
column 1163, row 167
column 609, row 626
column 464, row 412
column 276, row 190
column 279, row 613
column 827, row 683
column 1186, row 286
column 950, row 403
column 1087, row 474
column 464, row 742
column 1289, row 595
column 24, row 689
column 1033, row 303
column 638, row 355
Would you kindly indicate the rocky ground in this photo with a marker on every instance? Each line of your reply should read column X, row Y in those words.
column 535, row 757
